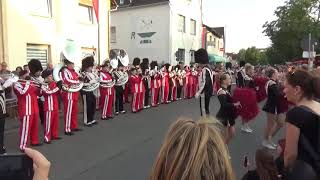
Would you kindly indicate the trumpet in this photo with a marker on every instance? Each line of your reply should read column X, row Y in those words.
column 33, row 83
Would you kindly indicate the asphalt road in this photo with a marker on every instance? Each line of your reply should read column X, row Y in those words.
column 125, row 147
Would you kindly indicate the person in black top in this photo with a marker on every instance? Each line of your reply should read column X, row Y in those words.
column 240, row 75
column 205, row 81
column 302, row 121
column 227, row 111
column 275, row 119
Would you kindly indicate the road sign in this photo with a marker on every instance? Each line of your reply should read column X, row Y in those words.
column 305, row 54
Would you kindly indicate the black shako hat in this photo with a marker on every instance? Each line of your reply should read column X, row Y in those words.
column 34, row 66
column 87, row 62
column 201, row 56
column 46, row 73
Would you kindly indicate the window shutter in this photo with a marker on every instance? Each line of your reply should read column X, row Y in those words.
column 40, row 52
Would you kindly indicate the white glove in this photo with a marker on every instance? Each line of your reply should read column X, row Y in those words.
column 197, row 95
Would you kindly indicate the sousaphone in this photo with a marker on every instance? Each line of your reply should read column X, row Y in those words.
column 72, row 52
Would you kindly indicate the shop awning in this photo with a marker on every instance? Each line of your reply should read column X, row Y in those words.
column 213, row 58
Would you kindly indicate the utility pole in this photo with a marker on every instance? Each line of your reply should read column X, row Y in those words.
column 309, row 52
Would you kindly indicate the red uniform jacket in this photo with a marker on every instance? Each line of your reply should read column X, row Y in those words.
column 189, row 78
column 165, row 79
column 155, row 81
column 69, row 77
column 106, row 77
column 135, row 83
column 50, row 95
column 27, row 93
column 141, row 85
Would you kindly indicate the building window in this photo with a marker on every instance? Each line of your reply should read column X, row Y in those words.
column 182, row 24
column 40, row 7
column 192, row 55
column 193, row 27
column 40, row 52
column 85, row 14
column 214, row 42
column 113, row 34
column 181, row 55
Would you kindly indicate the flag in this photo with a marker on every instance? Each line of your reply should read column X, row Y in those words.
column 95, row 4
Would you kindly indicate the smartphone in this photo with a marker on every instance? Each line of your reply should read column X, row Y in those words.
column 16, row 167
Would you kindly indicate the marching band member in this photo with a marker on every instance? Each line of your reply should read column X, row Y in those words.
column 35, row 68
column 230, row 73
column 119, row 92
column 155, row 88
column 27, row 92
column 141, row 88
column 88, row 97
column 165, row 83
column 146, row 81
column 194, row 75
column 188, row 83
column 180, row 77
column 70, row 99
column 135, row 83
column 248, row 99
column 4, row 83
column 107, row 92
column 51, row 107
column 205, row 81
column 241, row 74
column 173, row 85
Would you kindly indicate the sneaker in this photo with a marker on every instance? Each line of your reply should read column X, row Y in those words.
column 123, row 112
column 3, row 151
column 248, row 128
column 273, row 144
column 244, row 129
column 145, row 107
column 116, row 113
column 267, row 145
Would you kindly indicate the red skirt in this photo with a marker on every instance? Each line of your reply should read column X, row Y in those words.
column 283, row 105
column 249, row 104
column 261, row 83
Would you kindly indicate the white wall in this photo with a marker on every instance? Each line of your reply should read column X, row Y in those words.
column 142, row 20
column 22, row 27
column 191, row 10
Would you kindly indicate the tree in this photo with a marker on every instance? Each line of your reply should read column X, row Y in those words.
column 295, row 20
column 253, row 56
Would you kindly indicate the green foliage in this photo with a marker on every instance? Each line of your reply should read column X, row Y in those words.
column 253, row 56
column 295, row 20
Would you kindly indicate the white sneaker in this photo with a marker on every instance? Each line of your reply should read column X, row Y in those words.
column 249, row 129
column 273, row 144
column 244, row 129
column 268, row 145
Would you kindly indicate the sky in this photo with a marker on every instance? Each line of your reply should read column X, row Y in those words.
column 243, row 20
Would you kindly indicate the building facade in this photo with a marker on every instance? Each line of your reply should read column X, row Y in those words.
column 38, row 29
column 161, row 30
column 214, row 43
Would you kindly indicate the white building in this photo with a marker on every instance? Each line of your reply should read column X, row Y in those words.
column 161, row 30
column 37, row 29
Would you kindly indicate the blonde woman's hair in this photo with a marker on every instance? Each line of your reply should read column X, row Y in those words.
column 192, row 150
column 248, row 67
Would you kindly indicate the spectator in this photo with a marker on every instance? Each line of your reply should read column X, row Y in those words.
column 49, row 66
column 17, row 71
column 192, row 150
column 26, row 67
column 302, row 135
column 4, row 69
column 301, row 171
column 41, row 165
column 266, row 167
